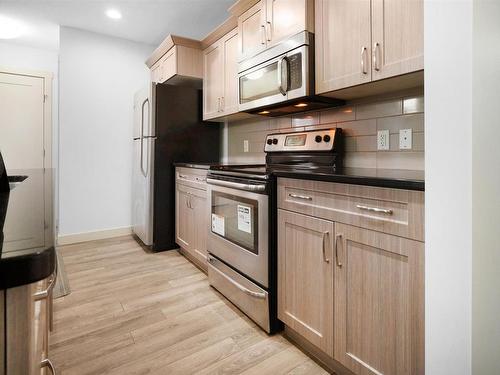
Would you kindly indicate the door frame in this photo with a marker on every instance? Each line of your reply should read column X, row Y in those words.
column 48, row 164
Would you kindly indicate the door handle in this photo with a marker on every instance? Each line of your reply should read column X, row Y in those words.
column 45, row 293
column 363, row 60
column 376, row 56
column 263, row 34
column 283, row 71
column 48, row 363
column 270, row 35
column 303, row 197
column 325, row 235
column 339, row 264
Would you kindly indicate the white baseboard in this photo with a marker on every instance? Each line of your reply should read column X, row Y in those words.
column 69, row 239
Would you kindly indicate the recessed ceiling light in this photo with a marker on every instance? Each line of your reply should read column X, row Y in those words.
column 11, row 28
column 264, row 112
column 300, row 105
column 114, row 14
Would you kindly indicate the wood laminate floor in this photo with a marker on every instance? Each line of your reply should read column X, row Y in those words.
column 133, row 312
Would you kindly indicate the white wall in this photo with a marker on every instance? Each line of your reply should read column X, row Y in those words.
column 486, row 189
column 98, row 78
column 448, row 166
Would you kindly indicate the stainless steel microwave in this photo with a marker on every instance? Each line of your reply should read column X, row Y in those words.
column 280, row 80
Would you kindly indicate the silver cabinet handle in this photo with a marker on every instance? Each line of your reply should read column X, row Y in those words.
column 263, row 34
column 325, row 235
column 363, row 60
column 237, row 185
column 222, row 104
column 201, row 179
column 374, row 209
column 303, row 197
column 336, row 250
column 48, row 363
column 183, row 176
column 376, row 56
column 187, row 203
column 218, row 104
column 45, row 293
column 237, row 284
column 270, row 35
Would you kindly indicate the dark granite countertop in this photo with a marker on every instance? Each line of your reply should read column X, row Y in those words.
column 27, row 250
column 195, row 165
column 389, row 178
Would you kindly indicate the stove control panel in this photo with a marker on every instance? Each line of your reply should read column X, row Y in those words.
column 315, row 140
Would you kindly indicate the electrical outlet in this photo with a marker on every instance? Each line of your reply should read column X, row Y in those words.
column 245, row 145
column 405, row 139
column 383, row 140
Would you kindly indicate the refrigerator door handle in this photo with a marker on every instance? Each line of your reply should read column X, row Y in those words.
column 143, row 170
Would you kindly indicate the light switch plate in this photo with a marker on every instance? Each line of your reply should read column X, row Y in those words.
column 405, row 139
column 383, row 140
column 245, row 145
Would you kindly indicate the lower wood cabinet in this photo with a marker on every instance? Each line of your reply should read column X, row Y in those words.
column 24, row 329
column 305, row 277
column 356, row 294
column 191, row 217
column 379, row 302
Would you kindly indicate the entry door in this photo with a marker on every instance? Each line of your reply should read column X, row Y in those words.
column 22, row 146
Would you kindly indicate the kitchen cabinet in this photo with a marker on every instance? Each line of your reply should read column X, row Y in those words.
column 397, row 37
column 269, row 22
column 192, row 214
column 379, row 302
column 354, row 255
column 178, row 64
column 220, row 77
column 363, row 41
column 251, row 31
column 305, row 277
column 25, row 312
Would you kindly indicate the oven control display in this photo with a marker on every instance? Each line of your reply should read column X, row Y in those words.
column 295, row 140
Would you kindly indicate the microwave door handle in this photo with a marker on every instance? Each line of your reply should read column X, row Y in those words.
column 283, row 68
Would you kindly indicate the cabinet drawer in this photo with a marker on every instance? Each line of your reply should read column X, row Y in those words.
column 394, row 211
column 192, row 177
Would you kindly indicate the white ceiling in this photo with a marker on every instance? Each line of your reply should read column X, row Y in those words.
column 146, row 21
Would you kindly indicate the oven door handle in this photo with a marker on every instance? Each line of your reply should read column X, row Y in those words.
column 237, row 185
column 237, row 284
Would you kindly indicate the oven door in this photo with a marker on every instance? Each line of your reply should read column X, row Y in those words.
column 277, row 80
column 239, row 233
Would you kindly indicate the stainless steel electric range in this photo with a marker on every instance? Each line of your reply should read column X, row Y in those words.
column 242, row 243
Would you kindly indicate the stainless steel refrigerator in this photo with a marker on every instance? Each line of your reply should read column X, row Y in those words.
column 168, row 128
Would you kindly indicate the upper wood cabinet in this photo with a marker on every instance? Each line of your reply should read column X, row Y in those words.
column 271, row 21
column 366, row 40
column 177, row 60
column 397, row 37
column 220, row 77
column 379, row 302
column 305, row 277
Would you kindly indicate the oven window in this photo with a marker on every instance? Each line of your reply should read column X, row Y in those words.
column 235, row 219
column 259, row 84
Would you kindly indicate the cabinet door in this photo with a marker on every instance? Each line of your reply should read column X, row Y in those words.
column 168, row 65
column 305, row 277
column 213, row 72
column 343, row 39
column 251, row 30
column 183, row 219
column 285, row 18
column 199, row 204
column 230, row 95
column 379, row 303
column 397, row 37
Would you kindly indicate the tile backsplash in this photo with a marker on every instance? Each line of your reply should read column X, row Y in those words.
column 359, row 121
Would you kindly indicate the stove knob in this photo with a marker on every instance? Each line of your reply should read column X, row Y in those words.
column 275, row 141
column 269, row 141
column 318, row 138
column 326, row 138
